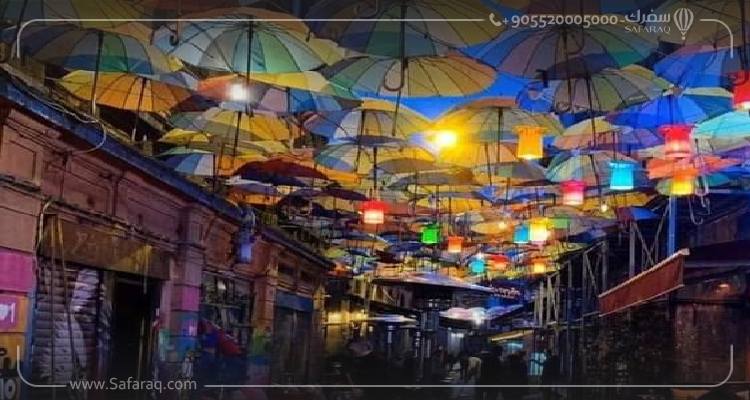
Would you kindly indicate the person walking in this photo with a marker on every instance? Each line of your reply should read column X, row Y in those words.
column 491, row 373
column 517, row 376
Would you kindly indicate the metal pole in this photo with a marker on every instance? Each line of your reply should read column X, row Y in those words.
column 672, row 228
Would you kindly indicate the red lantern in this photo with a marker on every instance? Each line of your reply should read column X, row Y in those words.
column 455, row 244
column 373, row 212
column 741, row 99
column 572, row 192
column 499, row 262
column 677, row 140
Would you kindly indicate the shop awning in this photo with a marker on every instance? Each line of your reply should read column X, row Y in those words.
column 648, row 285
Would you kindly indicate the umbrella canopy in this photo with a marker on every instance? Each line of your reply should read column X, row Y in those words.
column 73, row 47
column 353, row 158
column 494, row 119
column 125, row 91
column 697, row 165
column 700, row 66
column 250, row 44
column 374, row 123
column 478, row 155
column 203, row 163
column 735, row 124
column 562, row 52
column 435, row 178
column 240, row 93
column 600, row 134
column 606, row 90
column 232, row 125
column 279, row 171
column 434, row 27
column 511, row 172
column 687, row 107
column 592, row 168
column 108, row 13
column 452, row 75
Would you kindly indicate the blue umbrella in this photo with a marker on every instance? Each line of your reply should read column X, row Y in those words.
column 735, row 124
column 689, row 107
column 700, row 66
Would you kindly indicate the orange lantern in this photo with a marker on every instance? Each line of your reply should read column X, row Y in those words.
column 741, row 98
column 677, row 140
column 498, row 262
column 530, row 143
column 683, row 184
column 373, row 212
column 573, row 192
column 455, row 244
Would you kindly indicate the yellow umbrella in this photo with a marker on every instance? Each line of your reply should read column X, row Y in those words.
column 184, row 137
column 233, row 125
column 130, row 91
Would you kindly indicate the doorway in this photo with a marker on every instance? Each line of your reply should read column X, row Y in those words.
column 133, row 312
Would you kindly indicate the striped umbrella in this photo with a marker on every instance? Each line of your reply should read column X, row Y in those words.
column 603, row 135
column 606, row 90
column 374, row 123
column 92, row 50
column 560, row 52
column 494, row 119
column 233, row 126
column 353, row 158
column 245, row 40
column 452, row 75
column 686, row 107
column 238, row 95
column 700, row 66
column 434, row 26
column 592, row 168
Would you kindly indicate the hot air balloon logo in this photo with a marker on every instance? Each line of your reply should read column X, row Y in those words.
column 683, row 19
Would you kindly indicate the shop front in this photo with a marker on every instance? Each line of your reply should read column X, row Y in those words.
column 97, row 301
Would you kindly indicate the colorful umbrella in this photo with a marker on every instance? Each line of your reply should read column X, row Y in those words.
column 353, row 158
column 592, row 168
column 606, row 90
column 511, row 172
column 240, row 93
column 493, row 120
column 279, row 171
column 735, row 124
column 452, row 75
column 697, row 165
column 601, row 135
column 232, row 125
column 562, row 51
column 184, row 137
column 92, row 50
column 202, row 162
column 153, row 93
column 700, row 66
column 687, row 107
column 374, row 123
column 244, row 45
column 395, row 28
column 691, row 27
column 477, row 155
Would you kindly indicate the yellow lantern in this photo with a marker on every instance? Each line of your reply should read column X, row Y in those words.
column 530, row 144
column 683, row 184
column 538, row 232
column 538, row 266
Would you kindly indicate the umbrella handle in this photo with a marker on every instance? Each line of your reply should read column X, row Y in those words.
column 402, row 53
column 375, row 10
column 174, row 38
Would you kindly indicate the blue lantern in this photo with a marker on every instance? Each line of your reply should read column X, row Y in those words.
column 521, row 234
column 477, row 265
column 621, row 175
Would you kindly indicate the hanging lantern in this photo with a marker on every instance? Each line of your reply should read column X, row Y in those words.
column 538, row 266
column 530, row 143
column 455, row 244
column 677, row 140
column 741, row 98
column 498, row 262
column 621, row 175
column 477, row 265
column 683, row 184
column 431, row 234
column 373, row 212
column 538, row 232
column 572, row 192
column 521, row 234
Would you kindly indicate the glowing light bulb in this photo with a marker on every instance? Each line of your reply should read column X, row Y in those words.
column 502, row 225
column 604, row 207
column 238, row 92
column 445, row 139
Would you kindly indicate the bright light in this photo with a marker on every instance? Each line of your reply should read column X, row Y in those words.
column 604, row 207
column 479, row 255
column 502, row 225
column 445, row 139
column 238, row 92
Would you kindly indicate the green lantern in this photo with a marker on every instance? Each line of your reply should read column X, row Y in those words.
column 431, row 234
